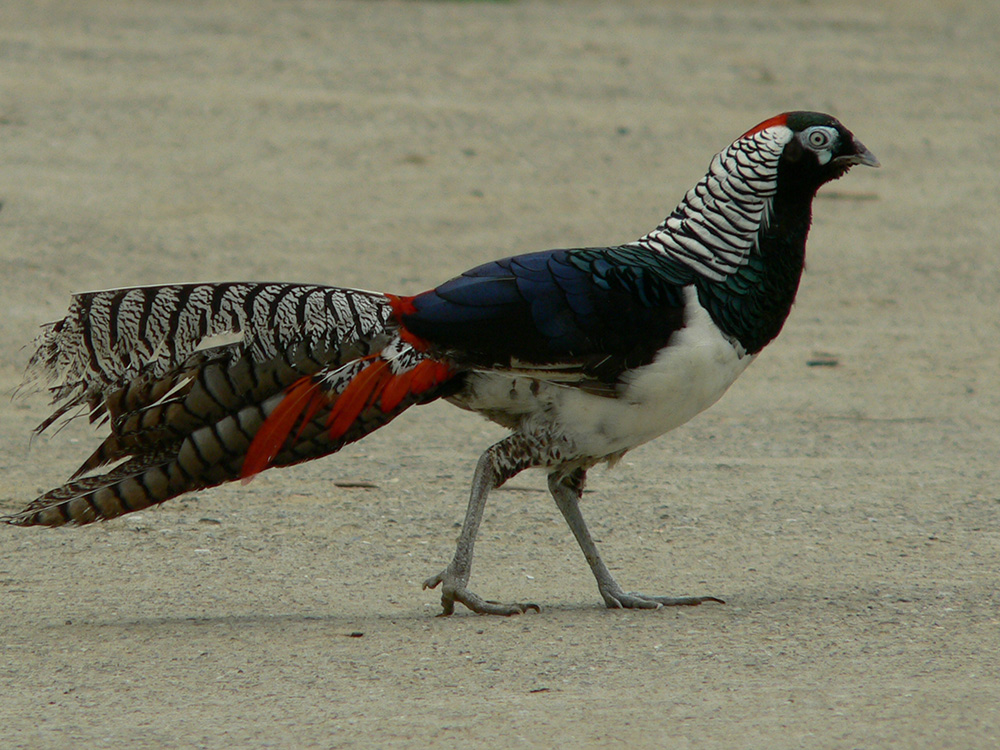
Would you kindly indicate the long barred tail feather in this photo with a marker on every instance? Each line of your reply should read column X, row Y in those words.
column 308, row 369
column 134, row 338
column 133, row 485
column 221, row 452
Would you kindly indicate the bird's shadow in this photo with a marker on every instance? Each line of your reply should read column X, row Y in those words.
column 354, row 625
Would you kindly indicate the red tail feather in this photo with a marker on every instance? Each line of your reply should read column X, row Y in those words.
column 419, row 379
column 376, row 383
column 401, row 307
column 359, row 393
column 305, row 397
column 302, row 398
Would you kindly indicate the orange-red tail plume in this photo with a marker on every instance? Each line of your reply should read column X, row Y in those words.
column 302, row 400
column 374, row 385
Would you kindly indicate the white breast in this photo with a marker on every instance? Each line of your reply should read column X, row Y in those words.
column 686, row 378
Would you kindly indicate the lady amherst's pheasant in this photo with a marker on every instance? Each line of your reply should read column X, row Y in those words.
column 582, row 354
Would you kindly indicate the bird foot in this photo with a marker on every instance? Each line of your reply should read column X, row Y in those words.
column 618, row 599
column 453, row 590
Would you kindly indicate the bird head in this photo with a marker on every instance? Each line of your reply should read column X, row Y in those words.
column 817, row 147
column 765, row 180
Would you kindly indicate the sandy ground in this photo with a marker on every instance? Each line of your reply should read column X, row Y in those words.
column 848, row 513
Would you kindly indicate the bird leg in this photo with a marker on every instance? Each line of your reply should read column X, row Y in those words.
column 497, row 464
column 566, row 491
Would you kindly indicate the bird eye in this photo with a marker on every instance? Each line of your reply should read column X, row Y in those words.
column 820, row 138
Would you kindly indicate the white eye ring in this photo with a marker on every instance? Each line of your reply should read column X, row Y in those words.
column 819, row 138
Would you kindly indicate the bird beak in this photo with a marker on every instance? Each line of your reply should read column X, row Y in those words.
column 861, row 155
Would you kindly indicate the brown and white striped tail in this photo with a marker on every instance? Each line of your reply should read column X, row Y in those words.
column 134, row 485
column 184, row 409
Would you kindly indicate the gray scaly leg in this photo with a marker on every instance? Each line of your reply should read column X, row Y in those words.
column 567, row 490
column 498, row 464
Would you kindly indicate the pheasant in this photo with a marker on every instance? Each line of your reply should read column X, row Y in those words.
column 583, row 354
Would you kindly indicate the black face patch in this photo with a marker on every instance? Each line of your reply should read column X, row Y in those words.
column 794, row 151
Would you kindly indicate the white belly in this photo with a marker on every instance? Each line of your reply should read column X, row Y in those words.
column 686, row 378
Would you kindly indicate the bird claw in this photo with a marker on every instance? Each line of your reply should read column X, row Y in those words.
column 632, row 600
column 454, row 590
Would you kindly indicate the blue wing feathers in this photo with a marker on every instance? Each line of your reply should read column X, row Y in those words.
column 599, row 308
